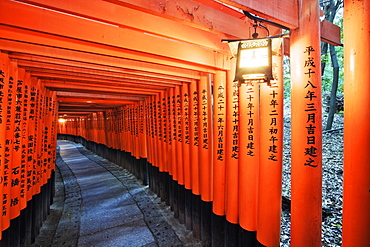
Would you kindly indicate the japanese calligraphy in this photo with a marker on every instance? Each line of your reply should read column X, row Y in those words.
column 220, row 119
column 179, row 117
column 196, row 119
column 186, row 118
column 311, row 107
column 251, row 107
column 235, row 121
column 204, row 118
column 273, row 130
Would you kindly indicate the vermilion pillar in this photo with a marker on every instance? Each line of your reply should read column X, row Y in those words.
column 166, row 110
column 186, row 135
column 22, row 89
column 136, row 130
column 13, row 143
column 29, row 136
column 219, row 133
column 271, row 155
column 52, row 124
column 306, row 127
column 40, row 106
column 122, row 127
column 205, row 139
column 148, row 128
column 161, row 160
column 152, row 131
column 155, row 149
column 32, row 134
column 179, row 135
column 356, row 198
column 232, row 152
column 4, row 77
column 125, row 128
column 249, row 120
column 194, row 136
column 142, row 130
column 172, row 138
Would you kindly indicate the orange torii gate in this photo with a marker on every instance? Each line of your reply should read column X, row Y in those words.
column 228, row 154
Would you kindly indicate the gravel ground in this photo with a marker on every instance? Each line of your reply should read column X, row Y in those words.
column 332, row 191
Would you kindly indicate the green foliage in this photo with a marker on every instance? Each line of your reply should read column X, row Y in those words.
column 286, row 71
column 327, row 78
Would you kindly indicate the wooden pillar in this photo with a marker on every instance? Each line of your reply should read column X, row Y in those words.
column 136, row 153
column 171, row 133
column 25, row 78
column 219, row 133
column 205, row 139
column 160, row 131
column 10, row 177
column 4, row 77
column 356, row 198
column 194, row 157
column 205, row 156
column 149, row 129
column 177, row 130
column 172, row 151
column 249, row 155
column 186, row 135
column 31, row 147
column 194, row 137
column 231, row 162
column 186, row 153
column 271, row 155
column 306, row 127
column 232, row 152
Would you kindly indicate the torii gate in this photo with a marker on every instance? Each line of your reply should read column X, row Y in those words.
column 306, row 117
column 302, row 17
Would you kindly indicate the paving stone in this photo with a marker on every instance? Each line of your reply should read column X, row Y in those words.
column 135, row 234
column 112, row 209
column 105, row 205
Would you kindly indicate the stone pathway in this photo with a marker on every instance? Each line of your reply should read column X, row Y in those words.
column 104, row 205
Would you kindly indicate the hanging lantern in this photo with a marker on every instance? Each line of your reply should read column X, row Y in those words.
column 254, row 61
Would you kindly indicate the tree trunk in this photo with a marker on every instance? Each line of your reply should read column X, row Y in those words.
column 333, row 95
column 330, row 9
column 324, row 51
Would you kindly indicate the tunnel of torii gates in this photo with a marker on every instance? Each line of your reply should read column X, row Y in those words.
column 152, row 80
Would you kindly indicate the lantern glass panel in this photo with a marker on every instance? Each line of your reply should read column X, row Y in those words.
column 251, row 58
